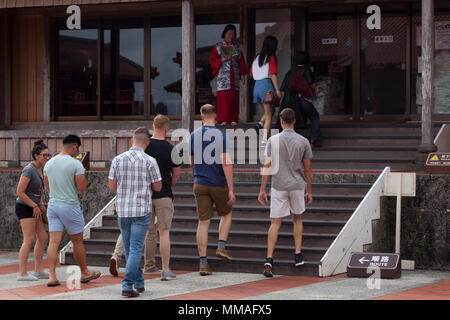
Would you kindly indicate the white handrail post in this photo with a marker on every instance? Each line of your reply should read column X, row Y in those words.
column 398, row 222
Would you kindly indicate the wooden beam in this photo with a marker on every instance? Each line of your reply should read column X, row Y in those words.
column 244, row 87
column 428, row 42
column 187, row 64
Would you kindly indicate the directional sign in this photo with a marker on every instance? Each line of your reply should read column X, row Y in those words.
column 438, row 163
column 388, row 263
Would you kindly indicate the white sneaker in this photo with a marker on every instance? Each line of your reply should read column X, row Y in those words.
column 43, row 275
column 29, row 277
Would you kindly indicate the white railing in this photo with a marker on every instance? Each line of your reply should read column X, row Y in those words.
column 95, row 222
column 442, row 140
column 356, row 233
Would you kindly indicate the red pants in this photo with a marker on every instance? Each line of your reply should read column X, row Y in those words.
column 227, row 106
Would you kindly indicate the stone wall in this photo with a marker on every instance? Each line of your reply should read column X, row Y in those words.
column 93, row 200
column 425, row 229
column 425, row 235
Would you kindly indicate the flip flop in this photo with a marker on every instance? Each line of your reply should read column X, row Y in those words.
column 53, row 284
column 95, row 275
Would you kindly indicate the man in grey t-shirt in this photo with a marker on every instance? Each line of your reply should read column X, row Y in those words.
column 288, row 160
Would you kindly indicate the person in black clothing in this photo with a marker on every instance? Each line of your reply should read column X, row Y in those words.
column 301, row 104
column 162, row 204
column 162, row 201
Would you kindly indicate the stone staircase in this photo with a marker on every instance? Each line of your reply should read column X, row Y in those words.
column 343, row 171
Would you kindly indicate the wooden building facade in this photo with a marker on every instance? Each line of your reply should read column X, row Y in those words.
column 126, row 63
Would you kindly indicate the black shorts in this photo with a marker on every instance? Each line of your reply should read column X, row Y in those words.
column 23, row 211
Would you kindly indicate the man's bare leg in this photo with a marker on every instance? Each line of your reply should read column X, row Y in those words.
column 202, row 237
column 298, row 232
column 164, row 248
column 225, row 226
column 52, row 254
column 79, row 254
column 272, row 236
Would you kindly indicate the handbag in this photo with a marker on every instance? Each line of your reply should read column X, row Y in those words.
column 213, row 85
column 44, row 217
column 272, row 99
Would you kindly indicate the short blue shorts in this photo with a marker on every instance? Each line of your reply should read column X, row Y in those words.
column 261, row 88
column 65, row 216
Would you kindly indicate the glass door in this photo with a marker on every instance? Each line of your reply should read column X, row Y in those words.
column 383, row 64
column 331, row 43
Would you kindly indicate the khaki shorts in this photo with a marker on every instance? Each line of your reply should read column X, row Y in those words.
column 163, row 210
column 206, row 196
column 283, row 203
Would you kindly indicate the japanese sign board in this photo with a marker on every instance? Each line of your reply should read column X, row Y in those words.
column 329, row 41
column 442, row 35
column 438, row 163
column 384, row 39
column 362, row 264
column 84, row 158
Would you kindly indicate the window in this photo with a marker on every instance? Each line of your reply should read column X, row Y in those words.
column 77, row 76
column 123, row 71
column 166, row 70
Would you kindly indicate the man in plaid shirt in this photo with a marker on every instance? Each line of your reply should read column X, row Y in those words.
column 133, row 175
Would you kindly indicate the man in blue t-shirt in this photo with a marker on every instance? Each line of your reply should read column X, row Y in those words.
column 213, row 184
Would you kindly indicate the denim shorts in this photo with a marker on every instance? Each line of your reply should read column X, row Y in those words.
column 261, row 88
column 65, row 216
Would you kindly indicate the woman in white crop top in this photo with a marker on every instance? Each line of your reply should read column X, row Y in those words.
column 264, row 71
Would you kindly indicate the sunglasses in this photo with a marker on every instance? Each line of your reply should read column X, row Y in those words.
column 47, row 155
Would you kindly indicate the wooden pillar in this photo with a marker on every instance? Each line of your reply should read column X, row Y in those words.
column 187, row 64
column 6, row 69
column 47, row 71
column 244, row 87
column 428, row 42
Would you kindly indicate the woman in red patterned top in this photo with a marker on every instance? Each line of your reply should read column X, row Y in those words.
column 228, row 69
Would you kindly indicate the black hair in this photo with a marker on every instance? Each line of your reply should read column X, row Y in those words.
column 71, row 139
column 228, row 27
column 38, row 147
column 269, row 48
column 302, row 57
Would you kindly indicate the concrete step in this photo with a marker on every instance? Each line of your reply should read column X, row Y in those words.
column 243, row 224
column 320, row 200
column 364, row 141
column 311, row 213
column 349, row 164
column 358, row 154
column 355, row 189
column 235, row 236
column 284, row 252
column 190, row 263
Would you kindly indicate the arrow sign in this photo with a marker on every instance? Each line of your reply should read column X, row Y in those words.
column 362, row 264
column 362, row 260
